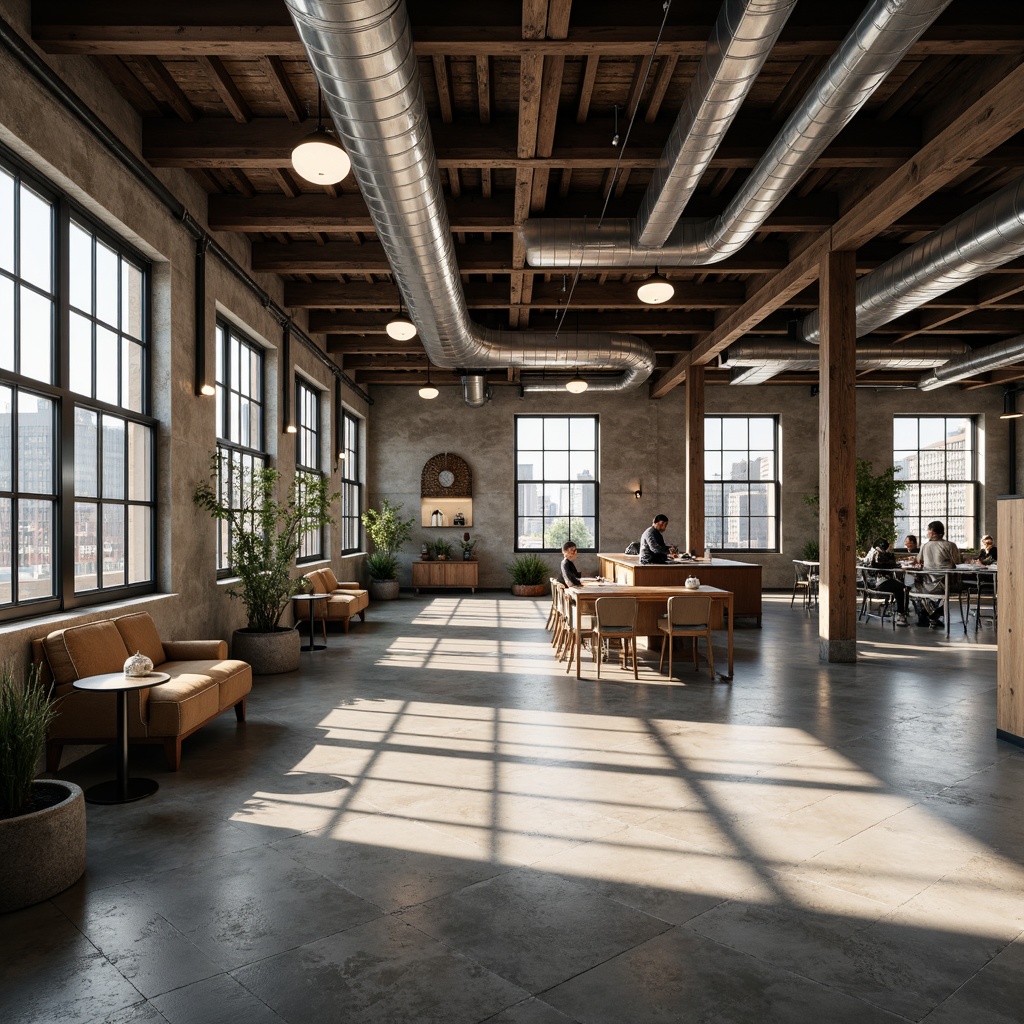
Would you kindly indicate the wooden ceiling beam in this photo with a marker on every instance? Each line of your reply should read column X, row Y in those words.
column 226, row 88
column 167, row 89
column 282, row 87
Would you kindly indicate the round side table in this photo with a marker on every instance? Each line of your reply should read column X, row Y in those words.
column 311, row 598
column 123, row 789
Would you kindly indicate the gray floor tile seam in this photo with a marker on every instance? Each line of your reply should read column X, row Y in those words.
column 524, row 1002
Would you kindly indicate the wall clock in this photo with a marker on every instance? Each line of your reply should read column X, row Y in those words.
column 446, row 476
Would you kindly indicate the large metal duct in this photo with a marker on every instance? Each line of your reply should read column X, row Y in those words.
column 744, row 34
column 875, row 45
column 756, row 360
column 985, row 237
column 981, row 360
column 362, row 54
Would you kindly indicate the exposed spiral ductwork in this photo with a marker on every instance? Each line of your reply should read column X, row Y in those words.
column 985, row 237
column 981, row 360
column 361, row 52
column 475, row 390
column 756, row 360
column 875, row 45
column 744, row 34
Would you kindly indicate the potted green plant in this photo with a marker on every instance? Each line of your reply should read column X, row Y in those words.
column 388, row 531
column 42, row 821
column 266, row 531
column 442, row 550
column 529, row 575
column 467, row 544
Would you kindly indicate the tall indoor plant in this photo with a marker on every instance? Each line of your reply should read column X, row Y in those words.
column 42, row 821
column 388, row 531
column 529, row 574
column 265, row 530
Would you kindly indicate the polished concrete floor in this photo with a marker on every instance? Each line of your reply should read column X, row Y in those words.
column 431, row 822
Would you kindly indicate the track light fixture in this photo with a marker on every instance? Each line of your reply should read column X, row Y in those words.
column 655, row 290
column 319, row 157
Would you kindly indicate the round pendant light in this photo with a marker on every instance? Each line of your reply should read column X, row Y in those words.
column 655, row 290
column 577, row 385
column 319, row 157
column 401, row 328
column 428, row 390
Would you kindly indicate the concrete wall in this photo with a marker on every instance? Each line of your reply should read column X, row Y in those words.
column 191, row 603
column 641, row 440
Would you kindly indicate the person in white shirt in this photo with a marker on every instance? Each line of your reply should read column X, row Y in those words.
column 936, row 553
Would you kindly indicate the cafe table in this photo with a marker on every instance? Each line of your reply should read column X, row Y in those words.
column 653, row 602
column 946, row 574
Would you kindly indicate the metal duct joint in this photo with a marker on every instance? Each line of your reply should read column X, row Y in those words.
column 981, row 360
column 985, row 237
column 361, row 52
column 874, row 46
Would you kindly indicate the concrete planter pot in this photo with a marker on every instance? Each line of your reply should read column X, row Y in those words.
column 529, row 589
column 44, row 851
column 268, row 653
column 384, row 590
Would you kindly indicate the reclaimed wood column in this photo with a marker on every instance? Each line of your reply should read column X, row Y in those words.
column 695, row 459
column 837, row 431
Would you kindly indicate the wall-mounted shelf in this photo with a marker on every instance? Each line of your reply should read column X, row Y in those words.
column 450, row 507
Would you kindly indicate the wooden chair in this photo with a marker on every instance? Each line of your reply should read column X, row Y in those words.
column 567, row 641
column 687, row 616
column 553, row 610
column 977, row 587
column 803, row 580
column 879, row 604
column 615, row 618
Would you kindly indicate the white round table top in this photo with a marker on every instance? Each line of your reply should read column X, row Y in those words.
column 110, row 682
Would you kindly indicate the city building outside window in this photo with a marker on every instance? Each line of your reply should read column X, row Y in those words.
column 307, row 459
column 351, row 485
column 741, row 483
column 556, row 482
column 240, row 422
column 74, row 391
column 936, row 457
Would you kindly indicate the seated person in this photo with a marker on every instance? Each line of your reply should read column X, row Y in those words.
column 653, row 549
column 570, row 573
column 880, row 557
column 911, row 545
column 937, row 553
column 987, row 555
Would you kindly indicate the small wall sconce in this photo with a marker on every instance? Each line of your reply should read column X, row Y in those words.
column 639, row 492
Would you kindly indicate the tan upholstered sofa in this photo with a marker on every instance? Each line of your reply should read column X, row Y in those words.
column 203, row 683
column 344, row 599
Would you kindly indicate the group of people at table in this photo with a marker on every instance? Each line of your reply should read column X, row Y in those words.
column 934, row 557
column 652, row 549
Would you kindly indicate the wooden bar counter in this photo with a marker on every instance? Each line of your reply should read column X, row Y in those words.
column 743, row 579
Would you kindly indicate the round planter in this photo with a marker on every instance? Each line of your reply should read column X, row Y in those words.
column 383, row 590
column 44, row 851
column 268, row 653
column 529, row 589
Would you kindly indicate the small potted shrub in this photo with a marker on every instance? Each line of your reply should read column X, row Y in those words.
column 529, row 574
column 42, row 821
column 467, row 544
column 388, row 531
column 442, row 550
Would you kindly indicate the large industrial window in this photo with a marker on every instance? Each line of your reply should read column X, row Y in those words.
column 307, row 459
column 351, row 485
column 74, row 392
column 240, row 425
column 936, row 457
column 556, row 482
column 741, row 483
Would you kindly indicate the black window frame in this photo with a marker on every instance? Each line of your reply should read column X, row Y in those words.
column 775, row 484
column 545, row 483
column 308, row 435
column 350, row 432
column 65, row 404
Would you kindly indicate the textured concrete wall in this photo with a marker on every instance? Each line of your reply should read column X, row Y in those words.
column 191, row 602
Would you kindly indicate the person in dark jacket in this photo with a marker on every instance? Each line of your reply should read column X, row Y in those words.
column 570, row 573
column 880, row 557
column 653, row 549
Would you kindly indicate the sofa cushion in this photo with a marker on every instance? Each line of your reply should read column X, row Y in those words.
column 89, row 650
column 317, row 582
column 184, row 702
column 330, row 580
column 139, row 633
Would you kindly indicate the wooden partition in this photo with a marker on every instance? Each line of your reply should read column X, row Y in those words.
column 1010, row 689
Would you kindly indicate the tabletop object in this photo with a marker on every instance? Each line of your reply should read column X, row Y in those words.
column 123, row 789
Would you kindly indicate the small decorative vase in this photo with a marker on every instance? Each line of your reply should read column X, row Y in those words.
column 467, row 555
column 137, row 665
column 692, row 583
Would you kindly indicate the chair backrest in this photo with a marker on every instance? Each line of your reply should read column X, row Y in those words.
column 616, row 611
column 633, row 548
column 801, row 571
column 689, row 611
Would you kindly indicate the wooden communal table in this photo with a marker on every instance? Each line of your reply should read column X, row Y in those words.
column 743, row 579
column 653, row 603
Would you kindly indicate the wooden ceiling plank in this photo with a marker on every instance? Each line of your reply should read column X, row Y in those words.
column 666, row 69
column 167, row 89
column 444, row 88
column 283, row 89
column 127, row 84
column 226, row 88
column 483, row 88
column 587, row 88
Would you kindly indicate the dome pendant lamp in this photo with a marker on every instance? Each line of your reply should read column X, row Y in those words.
column 655, row 290
column 428, row 390
column 319, row 157
column 400, row 327
column 577, row 385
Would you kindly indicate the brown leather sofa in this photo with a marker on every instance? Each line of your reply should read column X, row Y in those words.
column 343, row 599
column 204, row 682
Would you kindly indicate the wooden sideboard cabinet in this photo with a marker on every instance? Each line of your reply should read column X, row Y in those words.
column 457, row 573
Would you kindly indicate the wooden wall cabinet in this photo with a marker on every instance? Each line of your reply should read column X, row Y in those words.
column 430, row 575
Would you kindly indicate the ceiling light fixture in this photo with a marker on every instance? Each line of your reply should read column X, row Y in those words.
column 400, row 327
column 1010, row 407
column 577, row 385
column 428, row 390
column 655, row 290
column 319, row 157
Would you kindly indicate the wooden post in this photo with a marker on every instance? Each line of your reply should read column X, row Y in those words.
column 837, row 431
column 1010, row 583
column 695, row 459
